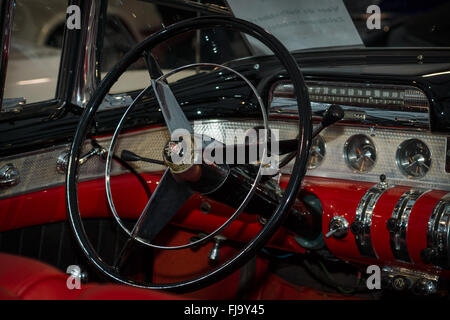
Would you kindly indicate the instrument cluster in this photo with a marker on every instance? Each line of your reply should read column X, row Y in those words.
column 413, row 157
column 364, row 153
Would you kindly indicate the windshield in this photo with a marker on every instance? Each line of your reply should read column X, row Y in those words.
column 308, row 24
column 39, row 28
column 403, row 23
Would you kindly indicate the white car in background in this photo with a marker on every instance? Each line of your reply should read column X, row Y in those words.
column 36, row 43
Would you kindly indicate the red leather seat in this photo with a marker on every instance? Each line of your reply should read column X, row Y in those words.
column 24, row 278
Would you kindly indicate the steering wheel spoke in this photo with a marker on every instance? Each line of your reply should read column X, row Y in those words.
column 173, row 115
column 164, row 203
column 154, row 70
column 134, row 254
column 122, row 258
column 172, row 112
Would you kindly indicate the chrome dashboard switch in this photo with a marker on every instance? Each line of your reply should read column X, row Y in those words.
column 9, row 175
column 338, row 228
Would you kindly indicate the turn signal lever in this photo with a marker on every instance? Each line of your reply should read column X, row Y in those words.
column 333, row 114
column 127, row 155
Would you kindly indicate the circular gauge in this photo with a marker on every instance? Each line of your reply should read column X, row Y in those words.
column 317, row 152
column 360, row 153
column 413, row 158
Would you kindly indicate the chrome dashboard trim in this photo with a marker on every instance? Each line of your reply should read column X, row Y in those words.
column 38, row 169
column 363, row 219
column 398, row 223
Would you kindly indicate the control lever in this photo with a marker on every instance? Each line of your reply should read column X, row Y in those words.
column 333, row 114
column 127, row 155
column 214, row 253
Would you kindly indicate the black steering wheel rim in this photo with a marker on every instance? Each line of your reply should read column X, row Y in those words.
column 298, row 171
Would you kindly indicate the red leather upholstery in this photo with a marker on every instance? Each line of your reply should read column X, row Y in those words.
column 5, row 295
column 23, row 278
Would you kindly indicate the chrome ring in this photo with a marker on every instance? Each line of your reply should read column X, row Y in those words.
column 363, row 217
column 438, row 232
column 244, row 202
column 399, row 223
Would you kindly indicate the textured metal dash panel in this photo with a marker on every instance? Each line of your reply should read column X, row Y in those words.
column 38, row 169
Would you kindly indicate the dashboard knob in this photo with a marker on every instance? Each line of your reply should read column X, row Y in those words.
column 338, row 228
column 9, row 175
column 391, row 225
column 427, row 255
column 425, row 287
column 356, row 227
column 214, row 253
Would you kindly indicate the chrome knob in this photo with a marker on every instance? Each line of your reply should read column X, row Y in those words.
column 338, row 228
column 9, row 176
column 214, row 254
column 62, row 161
column 425, row 287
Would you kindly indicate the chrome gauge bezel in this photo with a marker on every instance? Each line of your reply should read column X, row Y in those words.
column 322, row 142
column 401, row 148
column 349, row 142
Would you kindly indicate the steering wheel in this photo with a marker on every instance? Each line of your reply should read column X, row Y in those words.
column 175, row 186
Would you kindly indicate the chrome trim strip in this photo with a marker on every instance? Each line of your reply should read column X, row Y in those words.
column 399, row 225
column 38, row 168
column 438, row 232
column 7, row 17
column 86, row 81
column 363, row 217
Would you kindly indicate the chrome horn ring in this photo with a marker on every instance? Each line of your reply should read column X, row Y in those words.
column 244, row 203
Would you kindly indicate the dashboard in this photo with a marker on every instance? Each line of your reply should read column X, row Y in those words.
column 386, row 131
column 382, row 175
